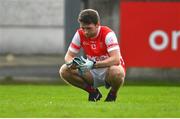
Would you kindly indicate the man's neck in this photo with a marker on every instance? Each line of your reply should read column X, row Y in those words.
column 97, row 33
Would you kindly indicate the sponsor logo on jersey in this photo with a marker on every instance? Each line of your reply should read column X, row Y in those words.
column 85, row 43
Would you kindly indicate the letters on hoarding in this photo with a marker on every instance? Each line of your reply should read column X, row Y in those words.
column 150, row 34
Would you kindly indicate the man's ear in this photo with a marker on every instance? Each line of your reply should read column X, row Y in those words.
column 98, row 24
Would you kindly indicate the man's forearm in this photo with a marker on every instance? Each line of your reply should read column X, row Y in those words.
column 69, row 57
column 106, row 63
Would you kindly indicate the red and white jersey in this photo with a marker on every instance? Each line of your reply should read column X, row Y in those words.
column 97, row 48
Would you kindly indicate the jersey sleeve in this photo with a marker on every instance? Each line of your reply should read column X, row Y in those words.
column 111, row 42
column 75, row 43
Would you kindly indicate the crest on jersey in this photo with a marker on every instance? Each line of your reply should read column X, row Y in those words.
column 93, row 46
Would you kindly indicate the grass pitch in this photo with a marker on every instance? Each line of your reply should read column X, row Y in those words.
column 150, row 99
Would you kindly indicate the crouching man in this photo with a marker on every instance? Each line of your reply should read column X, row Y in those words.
column 104, row 65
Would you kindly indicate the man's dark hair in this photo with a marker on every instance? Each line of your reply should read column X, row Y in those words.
column 89, row 16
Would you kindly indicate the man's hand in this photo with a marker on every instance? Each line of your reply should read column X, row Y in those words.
column 87, row 65
column 75, row 63
column 81, row 64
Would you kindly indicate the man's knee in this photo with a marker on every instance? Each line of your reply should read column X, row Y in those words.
column 63, row 71
column 116, row 72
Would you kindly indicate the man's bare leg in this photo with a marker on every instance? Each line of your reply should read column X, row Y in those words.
column 84, row 82
column 115, row 77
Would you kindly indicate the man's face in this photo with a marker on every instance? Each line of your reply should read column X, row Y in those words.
column 90, row 30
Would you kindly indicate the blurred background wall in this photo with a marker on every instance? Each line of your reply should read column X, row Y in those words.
column 37, row 26
column 32, row 26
